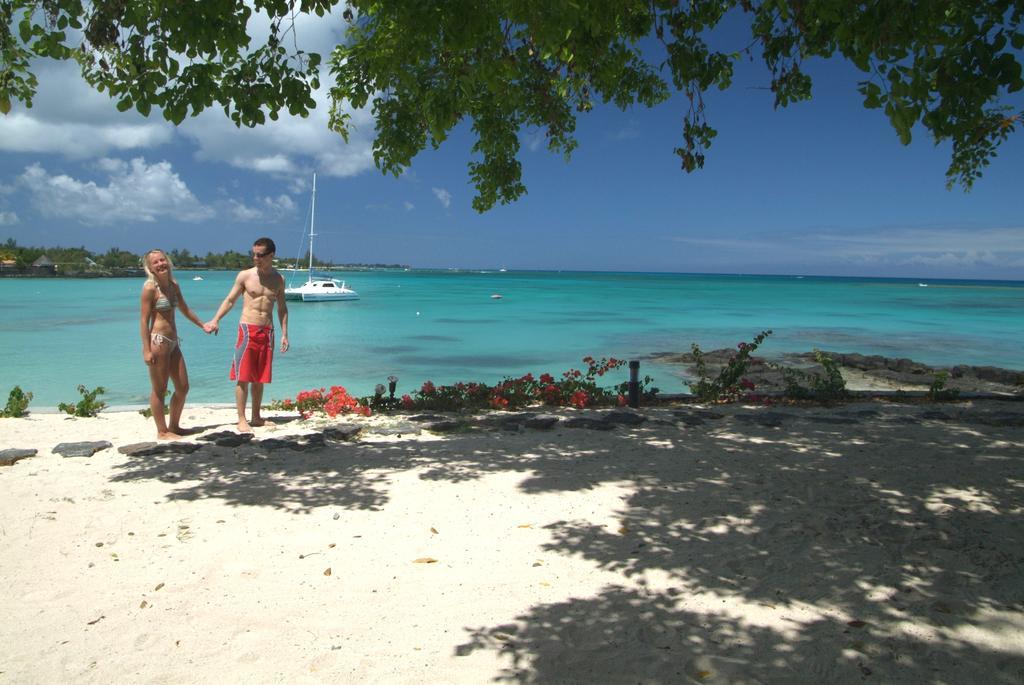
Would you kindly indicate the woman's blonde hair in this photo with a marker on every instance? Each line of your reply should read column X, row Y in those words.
column 145, row 265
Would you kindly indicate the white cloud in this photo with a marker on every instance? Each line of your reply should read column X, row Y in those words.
column 534, row 139
column 90, row 128
column 267, row 209
column 408, row 206
column 134, row 192
column 290, row 146
column 8, row 219
column 945, row 247
column 444, row 196
column 71, row 119
column 630, row 131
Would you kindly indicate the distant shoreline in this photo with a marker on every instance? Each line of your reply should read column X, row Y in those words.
column 139, row 273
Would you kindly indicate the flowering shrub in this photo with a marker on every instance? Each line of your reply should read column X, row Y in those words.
column 333, row 402
column 576, row 388
column 729, row 385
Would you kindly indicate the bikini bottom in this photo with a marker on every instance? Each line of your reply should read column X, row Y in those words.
column 161, row 340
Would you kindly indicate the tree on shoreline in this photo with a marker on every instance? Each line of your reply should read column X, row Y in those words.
column 422, row 68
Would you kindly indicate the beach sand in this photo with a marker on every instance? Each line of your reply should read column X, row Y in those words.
column 866, row 542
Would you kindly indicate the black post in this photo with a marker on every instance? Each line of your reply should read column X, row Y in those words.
column 392, row 382
column 634, row 384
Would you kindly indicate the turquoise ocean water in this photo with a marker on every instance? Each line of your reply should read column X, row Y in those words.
column 444, row 326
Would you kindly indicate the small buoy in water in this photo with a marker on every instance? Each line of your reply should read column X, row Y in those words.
column 495, row 296
column 417, row 313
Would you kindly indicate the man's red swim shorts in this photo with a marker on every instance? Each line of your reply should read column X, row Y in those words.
column 254, row 354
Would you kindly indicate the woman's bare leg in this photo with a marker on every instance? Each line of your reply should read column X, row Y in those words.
column 159, row 372
column 179, row 376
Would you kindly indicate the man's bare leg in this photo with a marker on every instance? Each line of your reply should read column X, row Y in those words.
column 241, row 395
column 257, row 399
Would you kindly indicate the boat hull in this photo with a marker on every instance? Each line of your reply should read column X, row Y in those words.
column 321, row 297
column 321, row 290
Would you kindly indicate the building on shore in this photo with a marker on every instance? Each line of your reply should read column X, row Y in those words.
column 44, row 266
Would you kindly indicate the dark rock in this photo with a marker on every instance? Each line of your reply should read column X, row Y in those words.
column 345, row 431
column 625, row 417
column 991, row 374
column 398, row 430
column 426, row 418
column 229, row 439
column 866, row 413
column 936, row 416
column 588, row 423
column 505, row 421
column 226, row 435
column 9, row 457
column 149, row 449
column 769, row 419
column 81, row 449
column 446, row 426
column 296, row 443
column 541, row 421
column 832, row 420
column 689, row 420
column 273, row 443
column 999, row 419
column 312, row 441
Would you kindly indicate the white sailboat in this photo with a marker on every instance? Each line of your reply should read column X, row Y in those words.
column 319, row 288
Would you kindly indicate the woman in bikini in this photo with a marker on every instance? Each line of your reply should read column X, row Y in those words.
column 161, row 350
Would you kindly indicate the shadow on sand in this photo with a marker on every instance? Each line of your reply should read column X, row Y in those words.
column 874, row 546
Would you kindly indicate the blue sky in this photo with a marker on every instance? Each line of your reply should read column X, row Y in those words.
column 821, row 187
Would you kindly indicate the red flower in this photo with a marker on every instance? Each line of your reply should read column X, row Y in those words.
column 579, row 399
column 546, row 378
column 428, row 388
column 407, row 402
column 622, row 400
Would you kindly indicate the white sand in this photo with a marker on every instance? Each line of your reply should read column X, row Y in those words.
column 864, row 543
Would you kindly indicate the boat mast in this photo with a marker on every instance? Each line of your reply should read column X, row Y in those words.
column 312, row 220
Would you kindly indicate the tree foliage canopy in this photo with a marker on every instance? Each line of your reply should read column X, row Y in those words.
column 422, row 67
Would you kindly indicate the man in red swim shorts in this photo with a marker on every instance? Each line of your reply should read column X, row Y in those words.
column 262, row 288
column 254, row 354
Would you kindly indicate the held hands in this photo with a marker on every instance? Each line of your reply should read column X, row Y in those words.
column 211, row 327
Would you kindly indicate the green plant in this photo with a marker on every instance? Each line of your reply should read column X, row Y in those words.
column 804, row 385
column 729, row 385
column 87, row 406
column 17, row 403
column 833, row 385
column 148, row 413
column 577, row 388
column 938, row 392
